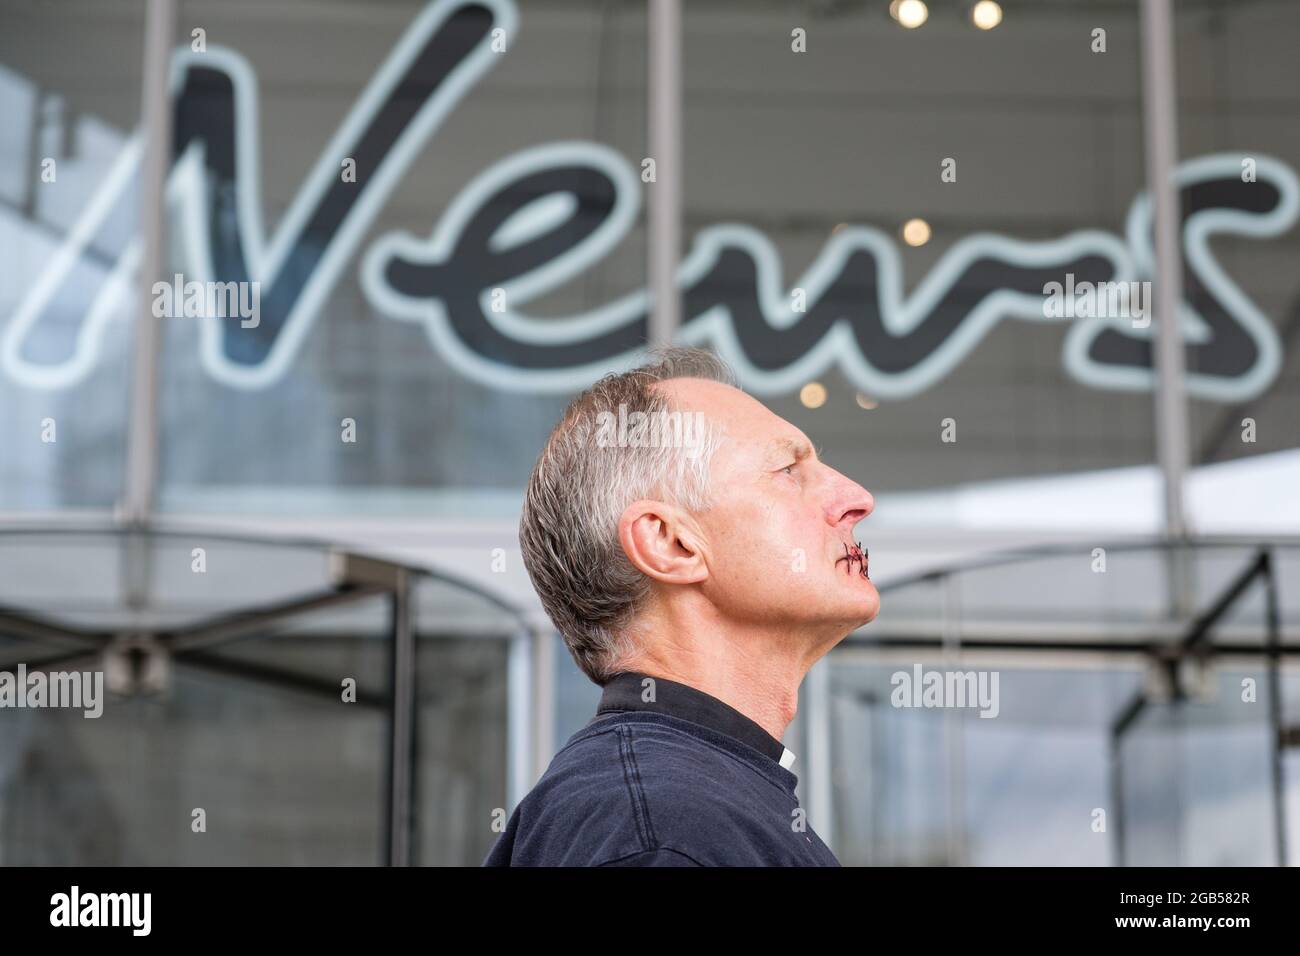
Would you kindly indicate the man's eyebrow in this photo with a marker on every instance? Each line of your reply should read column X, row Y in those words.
column 796, row 447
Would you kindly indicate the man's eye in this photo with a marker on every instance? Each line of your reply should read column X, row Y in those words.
column 789, row 469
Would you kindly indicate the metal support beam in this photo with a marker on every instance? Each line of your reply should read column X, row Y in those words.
column 239, row 625
column 323, row 689
column 519, row 720
column 543, row 699
column 953, row 737
column 401, row 755
column 1277, row 730
column 1160, row 110
column 23, row 626
column 820, row 772
column 156, row 131
column 665, row 138
column 1116, row 820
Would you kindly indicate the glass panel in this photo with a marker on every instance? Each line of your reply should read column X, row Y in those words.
column 1240, row 145
column 935, row 782
column 462, row 741
column 933, row 786
column 254, row 725
column 462, row 744
column 70, row 98
column 825, row 155
column 1197, row 772
column 378, row 406
column 282, row 778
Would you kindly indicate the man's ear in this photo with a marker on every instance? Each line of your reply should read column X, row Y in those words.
column 663, row 542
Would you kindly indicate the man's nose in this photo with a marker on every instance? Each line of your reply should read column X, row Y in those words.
column 849, row 503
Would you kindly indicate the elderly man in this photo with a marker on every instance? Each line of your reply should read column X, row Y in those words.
column 698, row 559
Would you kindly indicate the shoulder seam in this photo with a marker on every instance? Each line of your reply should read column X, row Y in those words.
column 632, row 777
column 657, row 849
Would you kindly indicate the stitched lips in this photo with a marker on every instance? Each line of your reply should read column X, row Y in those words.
column 856, row 555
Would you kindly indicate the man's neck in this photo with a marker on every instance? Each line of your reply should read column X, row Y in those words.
column 757, row 674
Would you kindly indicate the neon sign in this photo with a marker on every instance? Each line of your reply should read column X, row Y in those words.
column 537, row 219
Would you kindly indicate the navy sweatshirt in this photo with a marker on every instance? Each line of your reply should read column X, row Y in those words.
column 683, row 780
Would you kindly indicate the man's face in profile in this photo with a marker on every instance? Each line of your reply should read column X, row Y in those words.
column 781, row 519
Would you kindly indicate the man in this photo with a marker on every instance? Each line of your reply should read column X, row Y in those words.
column 698, row 558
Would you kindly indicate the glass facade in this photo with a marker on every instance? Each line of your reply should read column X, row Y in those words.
column 70, row 95
column 1235, row 99
column 800, row 171
column 1145, row 736
column 439, row 213
column 247, row 712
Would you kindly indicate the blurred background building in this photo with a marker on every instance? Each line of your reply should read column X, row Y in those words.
column 203, row 537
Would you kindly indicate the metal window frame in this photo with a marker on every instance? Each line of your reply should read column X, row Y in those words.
column 356, row 577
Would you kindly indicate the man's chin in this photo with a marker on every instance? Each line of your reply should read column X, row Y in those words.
column 858, row 606
column 870, row 605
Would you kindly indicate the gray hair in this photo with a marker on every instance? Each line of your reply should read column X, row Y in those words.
column 579, row 488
